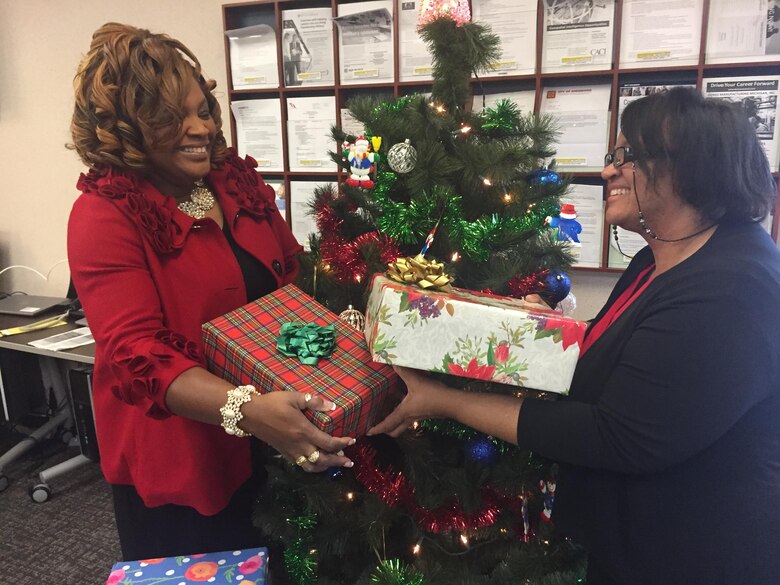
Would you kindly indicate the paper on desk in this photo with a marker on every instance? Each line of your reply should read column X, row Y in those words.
column 47, row 323
column 67, row 340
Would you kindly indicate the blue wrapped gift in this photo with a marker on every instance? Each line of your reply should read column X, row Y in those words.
column 233, row 567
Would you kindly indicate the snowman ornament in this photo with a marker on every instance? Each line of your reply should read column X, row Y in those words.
column 361, row 163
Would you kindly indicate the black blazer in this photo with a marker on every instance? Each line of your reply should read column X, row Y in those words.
column 670, row 437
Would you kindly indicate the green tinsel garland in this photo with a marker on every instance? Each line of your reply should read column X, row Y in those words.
column 504, row 118
column 454, row 429
column 300, row 558
column 387, row 107
column 393, row 573
column 408, row 223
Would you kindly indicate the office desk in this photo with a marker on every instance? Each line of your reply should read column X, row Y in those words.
column 52, row 365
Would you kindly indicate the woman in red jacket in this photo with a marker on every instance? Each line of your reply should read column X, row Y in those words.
column 171, row 230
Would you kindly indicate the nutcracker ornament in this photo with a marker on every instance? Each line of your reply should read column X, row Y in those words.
column 361, row 163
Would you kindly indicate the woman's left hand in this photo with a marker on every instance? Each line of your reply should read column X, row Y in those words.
column 425, row 398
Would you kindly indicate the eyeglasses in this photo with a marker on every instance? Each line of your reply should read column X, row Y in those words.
column 620, row 156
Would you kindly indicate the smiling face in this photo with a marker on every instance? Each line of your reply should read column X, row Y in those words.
column 628, row 183
column 621, row 205
column 175, row 167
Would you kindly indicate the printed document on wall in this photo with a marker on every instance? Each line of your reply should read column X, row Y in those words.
column 514, row 21
column 253, row 57
column 414, row 58
column 280, row 196
column 589, row 205
column 630, row 244
column 582, row 113
column 350, row 125
column 523, row 99
column 660, row 33
column 757, row 96
column 743, row 30
column 577, row 35
column 630, row 92
column 309, row 142
column 299, row 202
column 307, row 47
column 366, row 42
column 259, row 132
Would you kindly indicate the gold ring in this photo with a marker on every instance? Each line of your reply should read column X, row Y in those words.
column 307, row 397
column 314, row 457
column 301, row 460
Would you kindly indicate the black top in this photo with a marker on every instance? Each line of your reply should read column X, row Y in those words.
column 670, row 437
column 258, row 280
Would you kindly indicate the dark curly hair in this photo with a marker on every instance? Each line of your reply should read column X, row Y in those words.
column 707, row 147
column 130, row 90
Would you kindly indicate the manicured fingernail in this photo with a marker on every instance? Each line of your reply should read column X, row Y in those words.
column 340, row 453
column 348, row 464
column 352, row 442
column 333, row 406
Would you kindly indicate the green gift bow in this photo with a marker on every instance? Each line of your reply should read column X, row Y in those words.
column 308, row 342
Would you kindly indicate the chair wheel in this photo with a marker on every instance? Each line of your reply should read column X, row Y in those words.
column 40, row 493
column 66, row 436
column 3, row 482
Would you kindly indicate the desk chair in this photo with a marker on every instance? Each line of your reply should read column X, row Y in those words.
column 56, row 373
column 59, row 421
column 81, row 415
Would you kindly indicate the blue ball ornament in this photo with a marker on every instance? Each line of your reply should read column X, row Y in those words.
column 482, row 450
column 334, row 473
column 543, row 177
column 556, row 287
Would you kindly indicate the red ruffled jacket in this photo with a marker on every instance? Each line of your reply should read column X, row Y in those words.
column 148, row 276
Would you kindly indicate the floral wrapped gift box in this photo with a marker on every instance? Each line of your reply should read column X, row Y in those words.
column 248, row 567
column 470, row 334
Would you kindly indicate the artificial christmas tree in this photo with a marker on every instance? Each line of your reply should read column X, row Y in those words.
column 443, row 504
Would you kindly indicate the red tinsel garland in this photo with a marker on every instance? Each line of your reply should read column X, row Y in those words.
column 520, row 286
column 394, row 489
column 346, row 259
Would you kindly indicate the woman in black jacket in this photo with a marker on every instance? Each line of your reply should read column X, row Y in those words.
column 669, row 441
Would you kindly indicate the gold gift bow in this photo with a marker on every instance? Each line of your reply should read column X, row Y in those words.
column 420, row 272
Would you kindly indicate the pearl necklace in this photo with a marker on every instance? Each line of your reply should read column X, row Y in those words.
column 201, row 200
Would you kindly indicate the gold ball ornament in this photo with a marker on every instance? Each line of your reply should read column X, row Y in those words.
column 353, row 318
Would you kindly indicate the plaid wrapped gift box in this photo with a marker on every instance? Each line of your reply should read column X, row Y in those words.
column 241, row 348
column 248, row 567
column 474, row 335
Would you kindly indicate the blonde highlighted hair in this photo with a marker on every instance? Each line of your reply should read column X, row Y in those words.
column 130, row 90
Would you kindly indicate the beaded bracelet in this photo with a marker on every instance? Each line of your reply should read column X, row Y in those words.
column 231, row 412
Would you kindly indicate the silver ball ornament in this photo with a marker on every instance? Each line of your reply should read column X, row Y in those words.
column 402, row 157
column 353, row 318
column 567, row 305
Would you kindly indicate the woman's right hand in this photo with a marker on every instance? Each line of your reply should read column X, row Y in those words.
column 276, row 418
column 425, row 398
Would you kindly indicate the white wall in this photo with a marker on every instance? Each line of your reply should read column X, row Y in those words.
column 41, row 44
